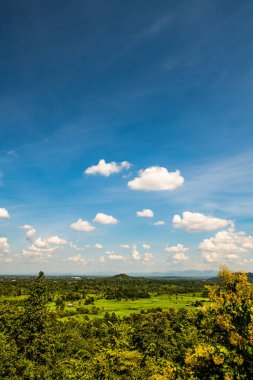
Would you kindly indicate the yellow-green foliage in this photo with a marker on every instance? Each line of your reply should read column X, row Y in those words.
column 226, row 351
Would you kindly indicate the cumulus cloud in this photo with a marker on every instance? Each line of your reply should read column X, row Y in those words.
column 98, row 246
column 159, row 223
column 125, row 246
column 148, row 257
column 179, row 252
column 38, row 251
column 106, row 169
column 6, row 259
column 146, row 213
column 110, row 252
column 180, row 257
column 177, row 248
column 105, row 219
column 78, row 259
column 135, row 254
column 56, row 240
column 30, row 231
column 116, row 257
column 195, row 221
column 26, row 227
column 82, row 225
column 4, row 245
column 4, row 213
column 44, row 248
column 156, row 178
column 225, row 245
column 101, row 259
column 232, row 256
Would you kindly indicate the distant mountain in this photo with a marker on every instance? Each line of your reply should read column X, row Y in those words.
column 183, row 274
column 196, row 273
column 122, row 276
column 217, row 279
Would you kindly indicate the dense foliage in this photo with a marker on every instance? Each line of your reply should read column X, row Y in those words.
column 214, row 341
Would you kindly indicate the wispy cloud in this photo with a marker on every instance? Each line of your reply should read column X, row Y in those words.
column 226, row 184
column 143, row 34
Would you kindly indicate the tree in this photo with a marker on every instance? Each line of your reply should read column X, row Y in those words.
column 8, row 358
column 60, row 304
column 34, row 339
column 227, row 348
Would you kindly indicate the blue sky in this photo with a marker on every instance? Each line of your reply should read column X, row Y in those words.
column 164, row 88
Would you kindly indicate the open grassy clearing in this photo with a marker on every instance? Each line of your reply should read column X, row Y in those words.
column 126, row 307
column 120, row 307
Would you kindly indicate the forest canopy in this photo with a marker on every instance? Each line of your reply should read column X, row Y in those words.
column 209, row 340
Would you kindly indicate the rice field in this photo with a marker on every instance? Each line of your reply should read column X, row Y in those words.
column 126, row 307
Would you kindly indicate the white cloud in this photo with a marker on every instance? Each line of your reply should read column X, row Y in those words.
column 110, row 252
column 135, row 254
column 4, row 213
column 82, row 225
column 41, row 243
column 107, row 169
column 146, row 246
column 44, row 248
column 39, row 250
column 125, row 246
column 232, row 256
column 195, row 221
column 148, row 257
column 248, row 261
column 179, row 252
column 30, row 231
column 98, row 246
column 105, row 219
column 4, row 245
column 224, row 245
column 6, row 259
column 159, row 223
column 116, row 257
column 180, row 257
column 57, row 241
column 26, row 227
column 77, row 259
column 156, row 178
column 177, row 249
column 101, row 259
column 146, row 213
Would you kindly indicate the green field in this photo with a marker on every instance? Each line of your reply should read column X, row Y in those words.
column 126, row 307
